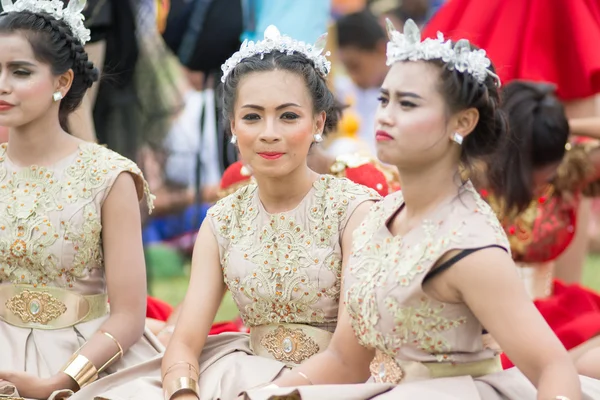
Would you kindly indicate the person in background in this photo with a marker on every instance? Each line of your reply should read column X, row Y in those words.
column 543, row 41
column 361, row 44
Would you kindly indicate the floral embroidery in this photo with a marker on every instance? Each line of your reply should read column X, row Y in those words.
column 336, row 194
column 422, row 326
column 286, row 270
column 50, row 227
column 234, row 215
column 388, row 309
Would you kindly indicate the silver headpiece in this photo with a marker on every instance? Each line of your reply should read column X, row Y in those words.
column 275, row 41
column 71, row 15
column 408, row 46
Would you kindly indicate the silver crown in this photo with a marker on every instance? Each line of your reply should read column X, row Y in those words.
column 275, row 41
column 408, row 46
column 71, row 15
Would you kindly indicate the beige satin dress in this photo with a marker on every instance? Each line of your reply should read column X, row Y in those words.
column 52, row 279
column 284, row 272
column 425, row 349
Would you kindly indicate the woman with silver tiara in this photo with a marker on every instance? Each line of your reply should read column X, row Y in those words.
column 70, row 232
column 431, row 265
column 279, row 245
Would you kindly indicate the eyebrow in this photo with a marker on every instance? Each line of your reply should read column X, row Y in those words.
column 286, row 105
column 401, row 94
column 21, row 64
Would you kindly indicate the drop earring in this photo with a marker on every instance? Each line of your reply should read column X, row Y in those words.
column 457, row 137
column 57, row 96
column 233, row 139
column 318, row 138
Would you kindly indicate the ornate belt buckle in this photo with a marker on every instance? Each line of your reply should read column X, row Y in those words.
column 384, row 369
column 289, row 345
column 37, row 307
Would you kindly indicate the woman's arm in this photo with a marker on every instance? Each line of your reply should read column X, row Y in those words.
column 198, row 310
column 488, row 283
column 345, row 360
column 589, row 127
column 125, row 280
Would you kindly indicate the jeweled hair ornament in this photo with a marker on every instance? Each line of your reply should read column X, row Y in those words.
column 408, row 46
column 71, row 15
column 275, row 41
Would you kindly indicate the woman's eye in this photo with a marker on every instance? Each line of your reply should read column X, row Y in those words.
column 251, row 117
column 289, row 115
column 383, row 100
column 407, row 104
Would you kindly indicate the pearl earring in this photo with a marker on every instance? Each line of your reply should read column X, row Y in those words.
column 318, row 138
column 57, row 96
column 457, row 137
column 233, row 139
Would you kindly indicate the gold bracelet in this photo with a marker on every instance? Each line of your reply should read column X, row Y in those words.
column 81, row 370
column 190, row 368
column 179, row 385
column 113, row 358
column 302, row 374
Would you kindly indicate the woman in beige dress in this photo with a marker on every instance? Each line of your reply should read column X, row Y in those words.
column 70, row 236
column 431, row 265
column 278, row 244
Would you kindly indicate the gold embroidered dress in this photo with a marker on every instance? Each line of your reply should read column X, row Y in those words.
column 52, row 279
column 425, row 349
column 284, row 272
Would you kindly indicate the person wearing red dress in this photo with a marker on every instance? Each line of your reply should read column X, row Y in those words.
column 544, row 41
column 547, row 177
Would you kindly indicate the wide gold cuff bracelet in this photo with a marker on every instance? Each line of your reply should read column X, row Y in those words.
column 81, row 370
column 179, row 385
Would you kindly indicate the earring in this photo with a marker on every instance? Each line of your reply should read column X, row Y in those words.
column 457, row 137
column 57, row 96
column 233, row 139
column 318, row 138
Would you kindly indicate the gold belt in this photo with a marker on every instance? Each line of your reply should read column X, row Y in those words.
column 291, row 344
column 386, row 369
column 48, row 308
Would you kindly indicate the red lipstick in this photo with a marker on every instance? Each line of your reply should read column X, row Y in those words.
column 383, row 136
column 4, row 106
column 268, row 155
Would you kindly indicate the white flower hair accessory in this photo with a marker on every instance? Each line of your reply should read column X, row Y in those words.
column 408, row 46
column 275, row 41
column 71, row 14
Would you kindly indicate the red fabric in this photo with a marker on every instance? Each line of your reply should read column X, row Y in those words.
column 370, row 176
column 229, row 326
column 540, row 40
column 157, row 309
column 235, row 174
column 573, row 313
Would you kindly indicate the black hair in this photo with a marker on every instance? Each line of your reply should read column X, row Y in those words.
column 53, row 43
column 539, row 133
column 463, row 91
column 361, row 30
column 323, row 99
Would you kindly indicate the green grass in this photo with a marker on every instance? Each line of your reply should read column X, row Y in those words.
column 172, row 289
column 591, row 272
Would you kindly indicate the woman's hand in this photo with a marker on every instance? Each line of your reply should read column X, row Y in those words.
column 33, row 387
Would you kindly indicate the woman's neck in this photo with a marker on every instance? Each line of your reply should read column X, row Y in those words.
column 425, row 189
column 285, row 193
column 40, row 142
